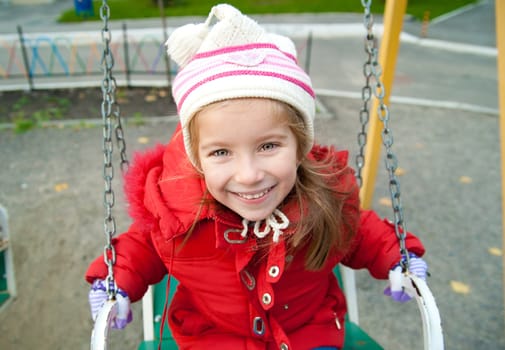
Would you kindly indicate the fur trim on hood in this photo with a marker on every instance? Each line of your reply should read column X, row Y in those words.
column 135, row 184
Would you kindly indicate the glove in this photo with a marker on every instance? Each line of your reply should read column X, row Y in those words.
column 98, row 296
column 395, row 290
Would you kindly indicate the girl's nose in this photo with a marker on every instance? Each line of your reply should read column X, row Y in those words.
column 248, row 171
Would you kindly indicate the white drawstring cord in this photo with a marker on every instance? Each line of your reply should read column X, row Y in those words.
column 277, row 221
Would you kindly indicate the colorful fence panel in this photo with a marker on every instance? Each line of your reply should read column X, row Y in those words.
column 29, row 57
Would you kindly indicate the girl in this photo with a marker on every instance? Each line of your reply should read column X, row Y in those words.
column 242, row 208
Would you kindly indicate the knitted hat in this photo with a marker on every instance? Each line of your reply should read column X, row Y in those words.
column 235, row 58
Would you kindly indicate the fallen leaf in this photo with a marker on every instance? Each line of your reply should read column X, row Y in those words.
column 385, row 201
column 143, row 140
column 460, row 287
column 162, row 93
column 400, row 171
column 61, row 187
column 495, row 251
column 465, row 179
column 150, row 98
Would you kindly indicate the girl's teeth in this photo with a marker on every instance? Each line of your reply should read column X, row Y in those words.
column 252, row 196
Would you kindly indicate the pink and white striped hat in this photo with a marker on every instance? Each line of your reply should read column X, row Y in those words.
column 235, row 58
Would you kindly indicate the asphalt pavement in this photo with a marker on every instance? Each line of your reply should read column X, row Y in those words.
column 445, row 122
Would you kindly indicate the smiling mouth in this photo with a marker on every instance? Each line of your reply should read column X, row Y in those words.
column 257, row 195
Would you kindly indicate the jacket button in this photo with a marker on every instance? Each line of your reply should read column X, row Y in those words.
column 284, row 346
column 274, row 271
column 266, row 298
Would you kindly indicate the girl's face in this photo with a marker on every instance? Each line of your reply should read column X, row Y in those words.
column 248, row 155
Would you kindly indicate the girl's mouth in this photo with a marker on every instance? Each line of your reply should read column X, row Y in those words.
column 252, row 196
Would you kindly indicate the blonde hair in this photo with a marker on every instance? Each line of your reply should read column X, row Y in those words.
column 322, row 228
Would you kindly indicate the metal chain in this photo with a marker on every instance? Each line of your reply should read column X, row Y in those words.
column 110, row 110
column 373, row 85
column 366, row 91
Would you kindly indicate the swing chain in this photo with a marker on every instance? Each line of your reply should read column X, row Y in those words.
column 110, row 110
column 366, row 92
column 372, row 72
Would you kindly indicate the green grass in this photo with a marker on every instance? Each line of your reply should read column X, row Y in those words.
column 55, row 109
column 122, row 9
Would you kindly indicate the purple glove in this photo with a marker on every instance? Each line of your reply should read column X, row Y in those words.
column 98, row 296
column 395, row 290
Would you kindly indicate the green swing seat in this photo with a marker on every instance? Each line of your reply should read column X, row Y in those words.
column 4, row 291
column 7, row 283
column 355, row 337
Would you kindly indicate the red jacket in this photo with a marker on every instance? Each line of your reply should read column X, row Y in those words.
column 228, row 298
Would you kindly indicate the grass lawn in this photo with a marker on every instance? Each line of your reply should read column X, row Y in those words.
column 121, row 9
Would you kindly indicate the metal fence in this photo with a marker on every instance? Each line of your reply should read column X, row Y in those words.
column 68, row 59
column 32, row 59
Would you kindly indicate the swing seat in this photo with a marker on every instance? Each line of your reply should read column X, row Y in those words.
column 355, row 337
column 4, row 291
column 7, row 284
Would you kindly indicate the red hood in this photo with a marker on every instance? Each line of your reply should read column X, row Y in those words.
column 163, row 188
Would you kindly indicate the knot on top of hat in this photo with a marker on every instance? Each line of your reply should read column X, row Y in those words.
column 231, row 29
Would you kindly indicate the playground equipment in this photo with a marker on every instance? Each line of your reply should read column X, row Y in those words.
column 374, row 90
column 7, row 280
column 500, row 45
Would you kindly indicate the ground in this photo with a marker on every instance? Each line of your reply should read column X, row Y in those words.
column 49, row 280
column 63, row 182
column 29, row 109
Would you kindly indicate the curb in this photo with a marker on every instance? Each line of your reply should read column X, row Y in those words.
column 414, row 101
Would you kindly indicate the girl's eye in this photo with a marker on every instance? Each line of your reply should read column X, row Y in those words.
column 219, row 153
column 268, row 146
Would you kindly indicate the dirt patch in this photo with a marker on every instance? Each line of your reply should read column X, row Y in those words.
column 26, row 109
